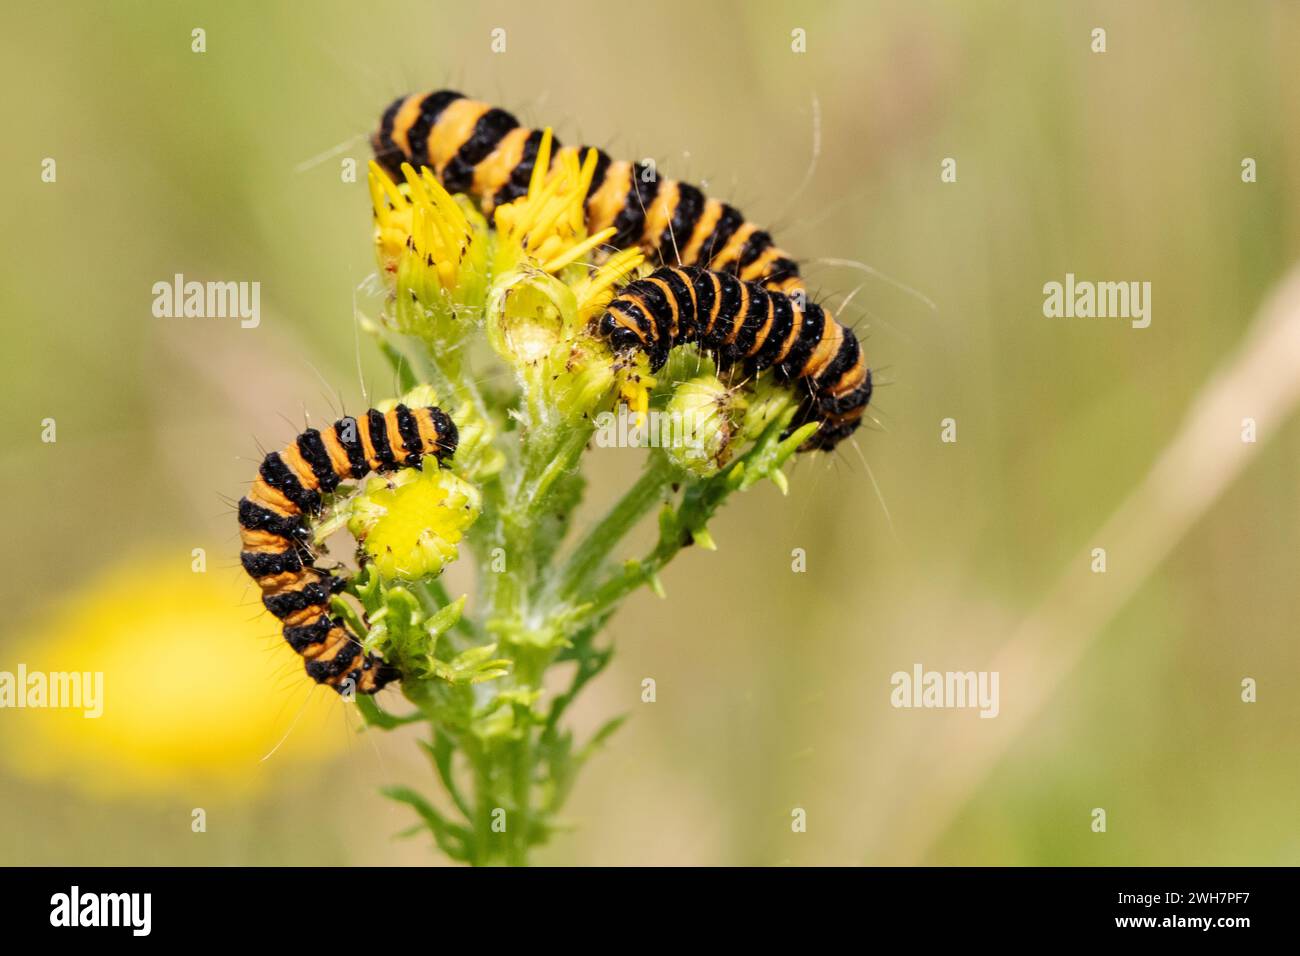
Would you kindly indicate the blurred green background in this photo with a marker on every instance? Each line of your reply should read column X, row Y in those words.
column 773, row 687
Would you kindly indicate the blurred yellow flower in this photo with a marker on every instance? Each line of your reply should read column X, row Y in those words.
column 411, row 522
column 198, row 687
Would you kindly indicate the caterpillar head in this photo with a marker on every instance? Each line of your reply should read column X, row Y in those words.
column 440, row 440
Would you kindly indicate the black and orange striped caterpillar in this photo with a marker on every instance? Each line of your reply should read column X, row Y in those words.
column 273, row 517
column 475, row 148
column 744, row 324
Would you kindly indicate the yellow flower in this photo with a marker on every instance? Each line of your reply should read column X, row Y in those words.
column 547, row 225
column 198, row 687
column 410, row 523
column 595, row 290
column 530, row 277
column 434, row 247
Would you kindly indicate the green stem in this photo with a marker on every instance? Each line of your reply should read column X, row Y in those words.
column 517, row 828
column 548, row 463
column 443, row 750
column 547, row 454
column 481, row 852
column 406, row 377
column 517, row 757
column 699, row 503
column 605, row 535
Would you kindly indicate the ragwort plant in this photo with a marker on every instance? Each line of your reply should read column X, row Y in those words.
column 529, row 284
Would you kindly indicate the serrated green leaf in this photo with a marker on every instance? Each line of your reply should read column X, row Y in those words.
column 605, row 731
column 375, row 716
column 441, row 752
column 487, row 675
column 445, row 619
column 451, row 838
column 702, row 538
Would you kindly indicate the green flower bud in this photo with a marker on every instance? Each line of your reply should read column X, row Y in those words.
column 767, row 402
column 700, row 415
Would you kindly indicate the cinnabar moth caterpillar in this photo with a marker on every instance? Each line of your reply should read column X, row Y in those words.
column 273, row 518
column 744, row 324
column 475, row 148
